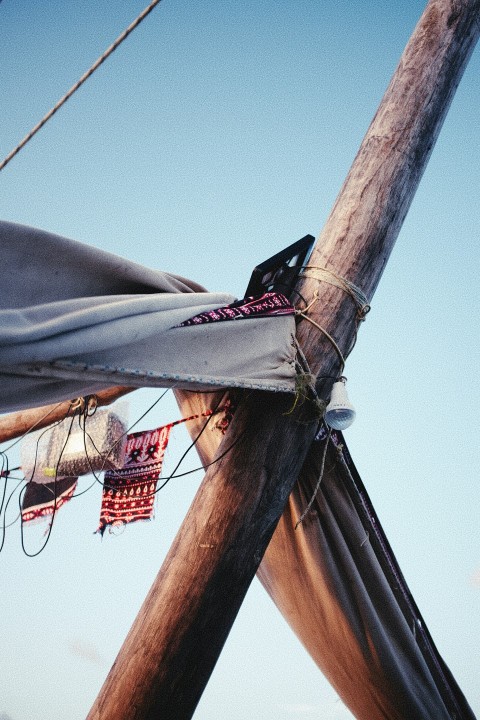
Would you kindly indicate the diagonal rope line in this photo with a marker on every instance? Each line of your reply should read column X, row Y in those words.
column 80, row 82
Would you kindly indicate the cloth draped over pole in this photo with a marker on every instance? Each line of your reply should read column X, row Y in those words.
column 336, row 581
column 74, row 320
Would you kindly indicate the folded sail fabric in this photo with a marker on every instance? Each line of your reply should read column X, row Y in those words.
column 74, row 320
column 129, row 493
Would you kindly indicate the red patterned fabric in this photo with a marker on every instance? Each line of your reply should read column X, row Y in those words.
column 129, row 493
column 269, row 304
column 43, row 500
column 228, row 411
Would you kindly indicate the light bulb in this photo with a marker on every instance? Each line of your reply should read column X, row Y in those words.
column 340, row 412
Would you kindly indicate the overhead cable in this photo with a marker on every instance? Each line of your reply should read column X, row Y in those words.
column 80, row 82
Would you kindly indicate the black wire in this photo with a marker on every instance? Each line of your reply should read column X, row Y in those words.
column 48, row 429
column 32, row 428
column 192, row 445
column 79, row 494
column 18, row 516
column 105, row 457
column 5, row 474
column 4, row 526
column 172, row 476
column 149, row 409
column 202, row 467
column 9, row 473
column 92, row 471
column 54, row 510
column 88, row 412
column 299, row 295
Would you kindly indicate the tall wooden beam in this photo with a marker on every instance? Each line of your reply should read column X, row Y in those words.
column 175, row 641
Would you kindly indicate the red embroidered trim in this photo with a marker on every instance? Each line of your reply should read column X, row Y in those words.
column 39, row 499
column 228, row 410
column 269, row 304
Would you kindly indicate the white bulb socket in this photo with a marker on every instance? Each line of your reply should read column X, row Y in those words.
column 340, row 412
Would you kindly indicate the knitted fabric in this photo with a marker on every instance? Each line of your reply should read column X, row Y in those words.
column 129, row 493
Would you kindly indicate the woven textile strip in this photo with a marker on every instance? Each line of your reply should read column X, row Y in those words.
column 40, row 501
column 264, row 306
column 129, row 493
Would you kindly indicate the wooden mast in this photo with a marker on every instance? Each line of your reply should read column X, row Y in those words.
column 174, row 643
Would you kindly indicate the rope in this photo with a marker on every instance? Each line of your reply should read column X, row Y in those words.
column 302, row 313
column 80, row 82
column 319, row 482
column 331, row 277
column 357, row 295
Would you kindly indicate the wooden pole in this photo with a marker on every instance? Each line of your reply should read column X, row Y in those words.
column 175, row 641
column 20, row 423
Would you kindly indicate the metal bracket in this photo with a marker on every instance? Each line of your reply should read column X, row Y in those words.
column 279, row 273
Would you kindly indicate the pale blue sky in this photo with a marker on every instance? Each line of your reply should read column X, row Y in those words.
column 217, row 134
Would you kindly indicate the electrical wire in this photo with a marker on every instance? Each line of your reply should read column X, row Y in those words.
column 54, row 509
column 88, row 409
column 80, row 82
column 174, row 474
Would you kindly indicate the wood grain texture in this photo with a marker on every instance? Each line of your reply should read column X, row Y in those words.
column 176, row 639
column 20, row 423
